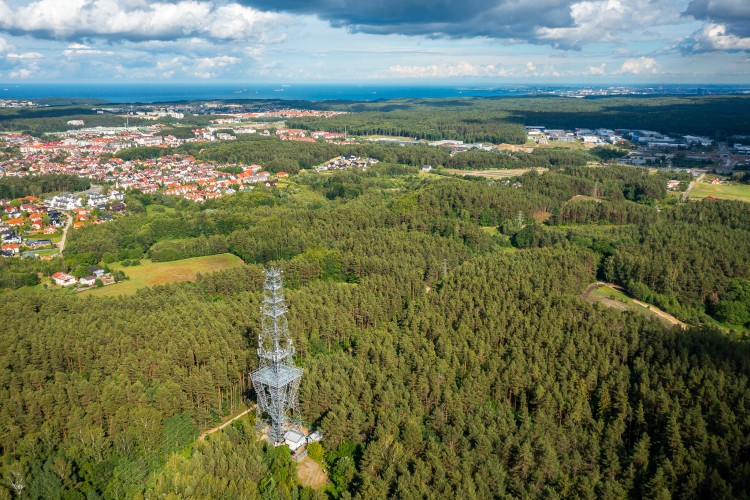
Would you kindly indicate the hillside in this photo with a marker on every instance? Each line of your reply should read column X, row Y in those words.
column 436, row 359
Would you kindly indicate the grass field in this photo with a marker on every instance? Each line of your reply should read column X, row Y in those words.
column 159, row 273
column 735, row 191
column 494, row 173
column 47, row 251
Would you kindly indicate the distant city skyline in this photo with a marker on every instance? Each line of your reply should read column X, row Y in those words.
column 421, row 43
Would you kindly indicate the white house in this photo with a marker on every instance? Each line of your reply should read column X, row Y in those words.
column 97, row 199
column 692, row 139
column 65, row 201
column 88, row 280
column 63, row 279
column 294, row 440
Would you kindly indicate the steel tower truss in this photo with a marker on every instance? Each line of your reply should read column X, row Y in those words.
column 276, row 381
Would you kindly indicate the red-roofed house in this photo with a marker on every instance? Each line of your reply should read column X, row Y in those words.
column 13, row 247
column 63, row 279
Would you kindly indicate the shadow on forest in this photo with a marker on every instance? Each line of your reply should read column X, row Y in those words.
column 727, row 354
column 722, row 116
column 26, row 114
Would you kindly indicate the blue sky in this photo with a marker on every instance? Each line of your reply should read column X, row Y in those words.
column 423, row 42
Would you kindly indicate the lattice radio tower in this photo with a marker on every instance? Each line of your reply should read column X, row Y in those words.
column 276, row 381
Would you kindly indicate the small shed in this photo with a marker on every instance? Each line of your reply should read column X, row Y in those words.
column 314, row 437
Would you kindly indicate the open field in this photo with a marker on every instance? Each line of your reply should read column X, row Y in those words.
column 160, row 273
column 735, row 191
column 610, row 296
column 497, row 173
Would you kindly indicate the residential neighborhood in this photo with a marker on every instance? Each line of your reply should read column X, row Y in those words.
column 33, row 227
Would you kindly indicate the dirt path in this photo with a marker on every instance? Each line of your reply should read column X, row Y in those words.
column 309, row 471
column 655, row 310
column 690, row 187
column 220, row 427
column 662, row 314
column 65, row 233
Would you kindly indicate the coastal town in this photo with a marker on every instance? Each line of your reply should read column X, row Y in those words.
column 34, row 227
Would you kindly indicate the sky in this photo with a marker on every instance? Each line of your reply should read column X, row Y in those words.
column 420, row 42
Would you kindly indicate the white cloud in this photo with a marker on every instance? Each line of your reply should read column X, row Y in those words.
column 205, row 67
column 639, row 66
column 270, row 68
column 202, row 67
column 25, row 55
column 170, row 64
column 255, row 52
column 713, row 37
column 466, row 69
column 5, row 46
column 135, row 20
column 607, row 20
column 597, row 70
column 547, row 71
column 461, row 69
column 217, row 62
column 20, row 74
column 81, row 49
column 235, row 22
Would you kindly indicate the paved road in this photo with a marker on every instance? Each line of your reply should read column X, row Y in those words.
column 65, row 233
column 726, row 162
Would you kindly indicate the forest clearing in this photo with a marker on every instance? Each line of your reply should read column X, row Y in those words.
column 613, row 296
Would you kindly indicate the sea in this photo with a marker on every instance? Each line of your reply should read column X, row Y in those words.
column 175, row 92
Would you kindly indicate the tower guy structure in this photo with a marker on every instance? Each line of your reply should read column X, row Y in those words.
column 276, row 381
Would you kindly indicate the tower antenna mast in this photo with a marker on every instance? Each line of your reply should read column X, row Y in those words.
column 276, row 381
